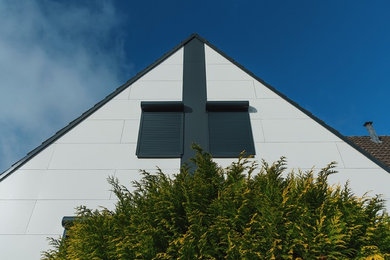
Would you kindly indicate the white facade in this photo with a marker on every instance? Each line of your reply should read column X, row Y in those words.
column 72, row 170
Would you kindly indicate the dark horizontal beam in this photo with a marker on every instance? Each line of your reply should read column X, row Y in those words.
column 227, row 106
column 162, row 106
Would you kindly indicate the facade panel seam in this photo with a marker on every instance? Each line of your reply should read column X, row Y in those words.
column 123, row 128
column 262, row 129
column 29, row 219
column 51, row 156
column 341, row 157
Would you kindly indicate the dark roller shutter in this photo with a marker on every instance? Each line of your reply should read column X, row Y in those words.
column 230, row 133
column 160, row 135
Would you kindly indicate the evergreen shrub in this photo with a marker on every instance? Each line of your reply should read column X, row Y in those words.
column 240, row 212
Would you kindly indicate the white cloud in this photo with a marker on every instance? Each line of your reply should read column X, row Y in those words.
column 56, row 60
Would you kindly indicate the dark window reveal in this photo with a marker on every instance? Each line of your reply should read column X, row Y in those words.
column 229, row 128
column 161, row 130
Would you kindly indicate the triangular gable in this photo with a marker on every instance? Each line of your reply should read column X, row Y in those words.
column 215, row 54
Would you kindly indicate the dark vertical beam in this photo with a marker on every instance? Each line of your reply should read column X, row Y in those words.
column 194, row 98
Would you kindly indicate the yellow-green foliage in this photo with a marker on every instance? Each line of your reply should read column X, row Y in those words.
column 241, row 212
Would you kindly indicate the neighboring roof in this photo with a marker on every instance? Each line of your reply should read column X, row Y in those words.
column 75, row 122
column 380, row 151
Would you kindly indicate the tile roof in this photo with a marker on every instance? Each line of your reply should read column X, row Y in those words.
column 380, row 151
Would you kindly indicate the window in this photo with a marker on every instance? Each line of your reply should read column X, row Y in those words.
column 229, row 128
column 161, row 130
column 66, row 223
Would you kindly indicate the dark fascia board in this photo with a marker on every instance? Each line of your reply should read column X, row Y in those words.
column 75, row 122
column 87, row 113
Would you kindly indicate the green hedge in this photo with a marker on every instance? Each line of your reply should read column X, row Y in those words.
column 241, row 212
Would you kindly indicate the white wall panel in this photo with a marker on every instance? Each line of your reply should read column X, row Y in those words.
column 22, row 184
column 219, row 68
column 373, row 181
column 213, row 57
column 104, row 156
column 257, row 131
column 175, row 58
column 164, row 164
column 275, row 109
column 91, row 156
column 95, row 131
column 130, row 131
column 119, row 109
column 230, row 90
column 354, row 159
column 170, row 69
column 22, row 247
column 165, row 72
column 157, row 90
column 41, row 160
column 300, row 155
column 225, row 72
column 76, row 184
column 47, row 215
column 15, row 215
column 124, row 94
column 264, row 92
column 296, row 130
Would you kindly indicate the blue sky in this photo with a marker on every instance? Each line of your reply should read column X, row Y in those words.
column 58, row 58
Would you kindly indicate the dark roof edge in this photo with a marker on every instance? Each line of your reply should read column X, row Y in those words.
column 367, row 136
column 98, row 105
column 87, row 113
column 331, row 129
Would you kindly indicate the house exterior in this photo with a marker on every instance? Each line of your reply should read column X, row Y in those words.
column 191, row 94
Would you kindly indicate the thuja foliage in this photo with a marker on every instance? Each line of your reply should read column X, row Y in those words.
column 241, row 212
